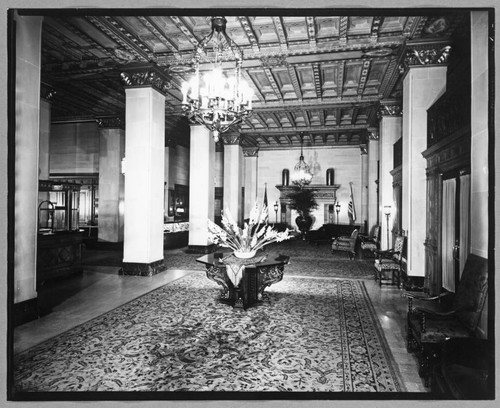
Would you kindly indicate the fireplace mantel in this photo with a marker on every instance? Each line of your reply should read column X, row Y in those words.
column 322, row 192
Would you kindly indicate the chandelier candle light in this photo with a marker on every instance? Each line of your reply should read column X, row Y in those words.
column 302, row 175
column 214, row 100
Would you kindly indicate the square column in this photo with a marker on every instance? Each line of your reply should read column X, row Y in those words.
column 422, row 86
column 479, row 134
column 373, row 163
column 364, row 189
column 390, row 132
column 27, row 126
column 251, row 173
column 111, row 182
column 233, row 176
column 201, row 188
column 144, row 181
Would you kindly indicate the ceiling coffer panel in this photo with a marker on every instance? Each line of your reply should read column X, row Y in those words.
column 329, row 77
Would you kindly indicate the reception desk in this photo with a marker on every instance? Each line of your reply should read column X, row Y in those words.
column 256, row 275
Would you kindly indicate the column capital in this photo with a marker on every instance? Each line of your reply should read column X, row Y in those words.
column 420, row 53
column 145, row 75
column 251, row 151
column 364, row 149
column 114, row 122
column 47, row 92
column 231, row 138
column 392, row 109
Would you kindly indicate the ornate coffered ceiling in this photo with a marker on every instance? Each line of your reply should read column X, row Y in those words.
column 321, row 75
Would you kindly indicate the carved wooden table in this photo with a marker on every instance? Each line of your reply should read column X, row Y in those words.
column 258, row 273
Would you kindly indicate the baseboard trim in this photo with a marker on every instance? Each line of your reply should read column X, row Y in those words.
column 142, row 269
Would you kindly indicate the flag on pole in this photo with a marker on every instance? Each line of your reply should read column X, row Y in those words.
column 265, row 194
column 350, row 209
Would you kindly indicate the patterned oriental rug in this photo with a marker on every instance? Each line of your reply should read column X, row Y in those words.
column 310, row 334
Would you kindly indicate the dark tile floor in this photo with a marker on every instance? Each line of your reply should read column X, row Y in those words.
column 74, row 300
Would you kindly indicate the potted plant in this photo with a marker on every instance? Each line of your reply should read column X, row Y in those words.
column 303, row 201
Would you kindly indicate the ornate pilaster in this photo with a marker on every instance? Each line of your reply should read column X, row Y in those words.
column 115, row 122
column 142, row 75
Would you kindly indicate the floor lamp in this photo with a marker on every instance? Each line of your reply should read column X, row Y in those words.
column 337, row 208
column 276, row 212
column 387, row 212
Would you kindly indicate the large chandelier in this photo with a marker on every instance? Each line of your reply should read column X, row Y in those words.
column 301, row 175
column 213, row 99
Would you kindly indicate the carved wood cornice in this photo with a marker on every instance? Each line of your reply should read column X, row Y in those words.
column 144, row 75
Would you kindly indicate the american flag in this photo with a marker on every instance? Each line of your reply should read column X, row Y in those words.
column 350, row 209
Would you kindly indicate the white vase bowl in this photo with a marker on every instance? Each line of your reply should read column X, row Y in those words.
column 244, row 254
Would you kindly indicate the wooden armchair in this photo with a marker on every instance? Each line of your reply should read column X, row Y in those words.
column 389, row 263
column 371, row 242
column 430, row 326
column 346, row 244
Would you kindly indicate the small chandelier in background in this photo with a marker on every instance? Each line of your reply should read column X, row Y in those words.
column 212, row 99
column 301, row 175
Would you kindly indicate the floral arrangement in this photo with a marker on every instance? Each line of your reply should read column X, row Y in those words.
column 254, row 235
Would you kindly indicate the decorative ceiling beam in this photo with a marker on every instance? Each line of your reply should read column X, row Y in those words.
column 306, row 129
column 338, row 115
column 344, row 21
column 248, row 29
column 295, row 81
column 273, row 83
column 158, row 32
column 317, row 80
column 54, row 40
column 390, row 78
column 287, row 138
column 280, row 31
column 355, row 113
column 118, row 34
column 326, row 103
column 249, row 139
column 275, row 118
column 290, row 118
column 182, row 26
column 276, row 139
column 340, row 78
column 311, row 31
column 264, row 139
column 376, row 23
column 79, row 33
column 364, row 76
column 256, row 90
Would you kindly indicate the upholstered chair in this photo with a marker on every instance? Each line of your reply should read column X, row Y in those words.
column 346, row 244
column 389, row 263
column 371, row 242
